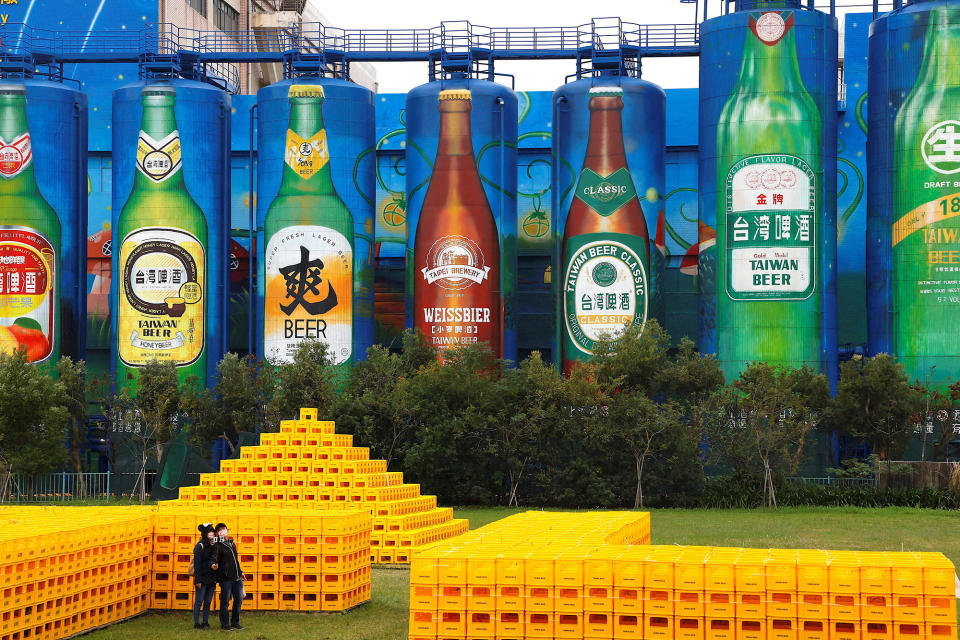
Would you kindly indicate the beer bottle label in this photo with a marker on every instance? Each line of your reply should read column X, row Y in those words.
column 15, row 156
column 605, row 194
column 605, row 287
column 27, row 292
column 770, row 226
column 161, row 291
column 455, row 266
column 159, row 159
column 309, row 292
column 307, row 156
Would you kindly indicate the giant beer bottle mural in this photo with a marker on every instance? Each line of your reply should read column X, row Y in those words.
column 768, row 148
column 456, row 280
column 926, row 215
column 162, row 267
column 310, row 238
column 29, row 242
column 606, row 251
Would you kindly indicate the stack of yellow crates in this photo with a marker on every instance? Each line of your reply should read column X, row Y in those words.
column 594, row 576
column 522, row 576
column 310, row 466
column 66, row 570
column 293, row 559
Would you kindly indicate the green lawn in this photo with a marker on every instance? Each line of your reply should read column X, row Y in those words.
column 385, row 617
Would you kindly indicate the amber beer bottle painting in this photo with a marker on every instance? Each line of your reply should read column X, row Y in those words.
column 456, row 291
column 309, row 255
column 606, row 245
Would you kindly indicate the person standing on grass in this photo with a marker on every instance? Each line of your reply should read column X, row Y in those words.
column 203, row 577
column 226, row 563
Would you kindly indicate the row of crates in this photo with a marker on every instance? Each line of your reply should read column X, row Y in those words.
column 508, row 625
column 322, row 553
column 591, row 575
column 60, row 625
column 273, row 600
column 317, row 474
column 607, row 599
column 65, row 570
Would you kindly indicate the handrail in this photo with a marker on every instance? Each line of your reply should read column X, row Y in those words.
column 257, row 44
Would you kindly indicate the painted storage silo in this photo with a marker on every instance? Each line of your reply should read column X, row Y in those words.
column 171, row 186
column 913, row 197
column 609, row 140
column 461, row 159
column 315, row 186
column 43, row 219
column 768, row 111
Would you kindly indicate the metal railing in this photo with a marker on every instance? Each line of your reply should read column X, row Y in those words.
column 169, row 39
column 58, row 487
column 839, row 482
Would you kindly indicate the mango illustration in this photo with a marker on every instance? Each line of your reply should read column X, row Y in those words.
column 29, row 335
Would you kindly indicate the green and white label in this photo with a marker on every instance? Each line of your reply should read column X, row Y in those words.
column 605, row 194
column 770, row 225
column 605, row 287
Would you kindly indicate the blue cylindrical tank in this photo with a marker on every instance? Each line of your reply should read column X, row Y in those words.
column 461, row 160
column 316, row 180
column 913, row 196
column 767, row 263
column 54, row 151
column 609, row 137
column 171, row 198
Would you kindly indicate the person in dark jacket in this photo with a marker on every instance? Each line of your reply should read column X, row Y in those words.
column 203, row 577
column 226, row 564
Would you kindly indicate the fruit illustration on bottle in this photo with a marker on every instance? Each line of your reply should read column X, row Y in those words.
column 29, row 242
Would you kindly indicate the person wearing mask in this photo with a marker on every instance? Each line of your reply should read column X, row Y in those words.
column 203, row 576
column 226, row 564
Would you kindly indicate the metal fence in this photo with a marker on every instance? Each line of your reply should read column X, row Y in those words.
column 839, row 482
column 57, row 487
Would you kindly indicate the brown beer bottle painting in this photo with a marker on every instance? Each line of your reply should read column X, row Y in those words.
column 456, row 290
column 606, row 245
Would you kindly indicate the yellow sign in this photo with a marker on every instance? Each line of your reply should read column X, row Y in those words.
column 306, row 157
column 926, row 214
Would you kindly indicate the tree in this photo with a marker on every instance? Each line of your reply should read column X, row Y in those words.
column 73, row 377
column 238, row 401
column 874, row 402
column 154, row 415
column 532, row 396
column 308, row 381
column 372, row 408
column 656, row 399
column 766, row 416
column 33, row 419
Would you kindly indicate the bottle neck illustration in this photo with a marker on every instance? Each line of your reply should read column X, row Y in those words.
column 160, row 124
column 16, row 156
column 455, row 138
column 770, row 63
column 455, row 175
column 605, row 152
column 939, row 67
column 306, row 122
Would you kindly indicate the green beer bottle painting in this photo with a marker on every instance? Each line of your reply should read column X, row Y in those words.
column 768, row 148
column 308, row 262
column 926, row 216
column 161, row 293
column 29, row 243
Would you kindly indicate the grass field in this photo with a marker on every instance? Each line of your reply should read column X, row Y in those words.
column 385, row 617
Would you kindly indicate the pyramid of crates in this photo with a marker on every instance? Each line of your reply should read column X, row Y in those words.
column 595, row 576
column 307, row 465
